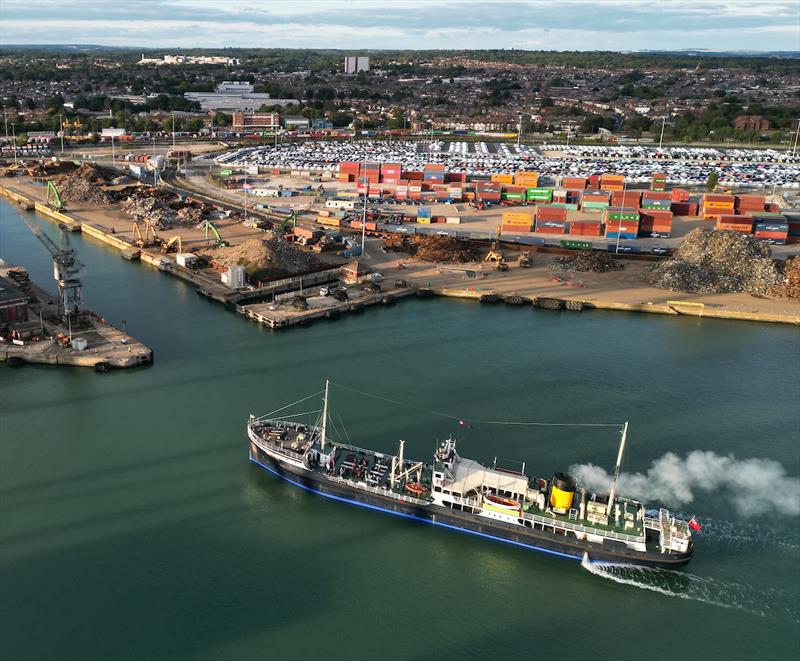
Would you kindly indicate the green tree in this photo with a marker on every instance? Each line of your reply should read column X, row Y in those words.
column 712, row 180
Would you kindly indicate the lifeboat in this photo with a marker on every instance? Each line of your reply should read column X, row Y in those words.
column 504, row 503
column 415, row 488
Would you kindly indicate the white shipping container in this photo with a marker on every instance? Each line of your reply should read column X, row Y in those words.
column 452, row 220
column 186, row 259
column 79, row 343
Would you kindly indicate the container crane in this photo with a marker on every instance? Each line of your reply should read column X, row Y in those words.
column 66, row 267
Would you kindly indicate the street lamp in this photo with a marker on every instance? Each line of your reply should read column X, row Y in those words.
column 663, row 124
column 519, row 128
column 14, row 138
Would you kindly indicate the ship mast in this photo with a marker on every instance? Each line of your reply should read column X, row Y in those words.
column 612, row 494
column 325, row 414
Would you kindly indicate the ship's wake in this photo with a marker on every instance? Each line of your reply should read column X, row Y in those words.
column 713, row 591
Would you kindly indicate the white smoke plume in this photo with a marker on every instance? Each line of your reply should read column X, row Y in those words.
column 754, row 486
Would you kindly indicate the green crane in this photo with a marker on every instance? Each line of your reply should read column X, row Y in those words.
column 52, row 198
column 221, row 243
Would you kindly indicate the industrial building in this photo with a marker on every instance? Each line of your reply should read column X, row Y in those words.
column 190, row 59
column 13, row 303
column 355, row 64
column 296, row 122
column 256, row 121
column 233, row 96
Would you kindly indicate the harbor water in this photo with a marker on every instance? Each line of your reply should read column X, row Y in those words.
column 132, row 525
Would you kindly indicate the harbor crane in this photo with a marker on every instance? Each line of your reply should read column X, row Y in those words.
column 66, row 267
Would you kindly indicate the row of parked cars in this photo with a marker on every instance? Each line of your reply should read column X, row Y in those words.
column 683, row 165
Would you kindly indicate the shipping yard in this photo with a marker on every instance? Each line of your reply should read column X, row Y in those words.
column 284, row 247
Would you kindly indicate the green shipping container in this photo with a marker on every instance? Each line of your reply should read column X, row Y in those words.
column 519, row 197
column 564, row 205
column 611, row 215
column 576, row 245
column 598, row 206
column 225, row 173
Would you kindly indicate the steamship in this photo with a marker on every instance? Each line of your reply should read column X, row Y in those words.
column 555, row 515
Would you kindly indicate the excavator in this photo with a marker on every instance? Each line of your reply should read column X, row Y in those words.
column 148, row 238
column 221, row 243
column 52, row 197
column 173, row 244
column 495, row 255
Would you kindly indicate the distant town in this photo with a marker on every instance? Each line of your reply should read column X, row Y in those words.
column 606, row 97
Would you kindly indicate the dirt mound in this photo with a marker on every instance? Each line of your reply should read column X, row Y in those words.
column 790, row 286
column 589, row 261
column 263, row 258
column 446, row 249
column 718, row 261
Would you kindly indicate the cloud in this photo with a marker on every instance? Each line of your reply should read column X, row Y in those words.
column 413, row 24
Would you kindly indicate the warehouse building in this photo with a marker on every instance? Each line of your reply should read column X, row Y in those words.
column 234, row 96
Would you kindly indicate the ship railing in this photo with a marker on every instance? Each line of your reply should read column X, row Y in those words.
column 286, row 452
column 543, row 520
column 377, row 490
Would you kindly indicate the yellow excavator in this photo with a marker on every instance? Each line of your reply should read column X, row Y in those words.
column 495, row 255
column 147, row 238
column 173, row 244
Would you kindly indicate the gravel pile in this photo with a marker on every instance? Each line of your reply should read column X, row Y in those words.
column 445, row 249
column 718, row 261
column 589, row 261
column 152, row 209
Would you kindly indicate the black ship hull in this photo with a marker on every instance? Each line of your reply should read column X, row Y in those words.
column 533, row 539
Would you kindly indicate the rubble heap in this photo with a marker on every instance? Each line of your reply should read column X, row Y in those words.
column 588, row 261
column 189, row 215
column 152, row 209
column 83, row 185
column 263, row 258
column 717, row 261
column 445, row 249
column 790, row 286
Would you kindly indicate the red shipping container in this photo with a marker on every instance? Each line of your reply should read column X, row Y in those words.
column 578, row 183
column 412, row 175
column 656, row 195
column 594, row 182
column 514, row 229
column 626, row 198
column 551, row 230
column 770, row 235
column 551, row 213
column 583, row 228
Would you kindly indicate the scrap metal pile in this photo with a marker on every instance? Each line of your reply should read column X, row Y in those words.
column 262, row 258
column 588, row 261
column 790, row 285
column 84, row 184
column 445, row 249
column 718, row 261
column 150, row 209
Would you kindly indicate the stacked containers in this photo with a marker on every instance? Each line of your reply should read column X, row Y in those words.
column 612, row 182
column 401, row 190
column 655, row 224
column 487, row 191
column 456, row 192
column 594, row 182
column 715, row 206
column 515, row 194
column 551, row 220
column 659, row 182
column 631, row 198
column 424, row 215
column 348, row 171
column 433, row 173
column 793, row 224
column 455, row 177
column 390, row 173
column 734, row 223
column 679, row 195
column 685, row 208
column 594, row 201
column 750, row 204
column 574, row 183
column 622, row 223
column 507, row 179
column 659, row 201
column 586, row 228
column 526, row 179
column 771, row 228
column 517, row 221
column 539, row 195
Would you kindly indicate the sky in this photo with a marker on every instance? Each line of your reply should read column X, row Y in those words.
column 622, row 25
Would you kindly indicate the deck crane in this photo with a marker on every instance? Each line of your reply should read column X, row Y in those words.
column 66, row 267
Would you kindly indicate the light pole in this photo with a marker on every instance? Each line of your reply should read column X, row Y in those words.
column 113, row 158
column 663, row 124
column 519, row 128
column 621, row 207
column 61, row 123
column 173, row 131
column 796, row 138
column 14, row 138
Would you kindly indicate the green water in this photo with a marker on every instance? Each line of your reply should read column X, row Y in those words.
column 132, row 525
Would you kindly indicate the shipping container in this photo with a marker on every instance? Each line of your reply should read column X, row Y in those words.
column 576, row 245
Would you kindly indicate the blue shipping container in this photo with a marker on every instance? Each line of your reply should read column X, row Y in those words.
column 623, row 248
column 620, row 235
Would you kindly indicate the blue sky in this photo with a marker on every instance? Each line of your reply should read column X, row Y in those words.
column 362, row 24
